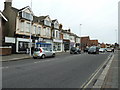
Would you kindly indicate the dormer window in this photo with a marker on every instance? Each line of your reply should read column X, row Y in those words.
column 56, row 25
column 26, row 15
column 46, row 22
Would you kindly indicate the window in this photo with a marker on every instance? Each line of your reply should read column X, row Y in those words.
column 57, row 34
column 27, row 16
column 22, row 26
column 27, row 27
column 56, row 25
column 53, row 33
column 39, row 29
column 46, row 22
column 34, row 28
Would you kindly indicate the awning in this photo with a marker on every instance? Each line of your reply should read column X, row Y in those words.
column 44, row 43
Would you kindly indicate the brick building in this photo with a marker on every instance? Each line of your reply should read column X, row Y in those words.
column 93, row 43
column 84, row 42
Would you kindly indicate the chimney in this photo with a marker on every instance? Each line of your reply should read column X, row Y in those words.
column 7, row 4
column 69, row 30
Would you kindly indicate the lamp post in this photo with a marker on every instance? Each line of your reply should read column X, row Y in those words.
column 80, row 36
column 30, row 27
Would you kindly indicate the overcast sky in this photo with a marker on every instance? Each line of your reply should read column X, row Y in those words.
column 99, row 18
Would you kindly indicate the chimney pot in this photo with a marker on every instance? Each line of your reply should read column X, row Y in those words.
column 7, row 4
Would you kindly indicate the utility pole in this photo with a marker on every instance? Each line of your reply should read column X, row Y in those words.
column 30, row 28
column 80, row 36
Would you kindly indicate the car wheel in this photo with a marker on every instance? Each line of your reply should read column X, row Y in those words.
column 53, row 55
column 43, row 56
column 35, row 57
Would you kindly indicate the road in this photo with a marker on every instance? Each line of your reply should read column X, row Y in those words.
column 63, row 71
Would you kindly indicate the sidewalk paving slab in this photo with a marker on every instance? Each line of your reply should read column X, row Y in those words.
column 111, row 80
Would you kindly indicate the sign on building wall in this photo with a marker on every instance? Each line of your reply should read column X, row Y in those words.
column 9, row 40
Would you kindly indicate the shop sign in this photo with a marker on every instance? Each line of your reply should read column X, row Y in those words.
column 40, row 39
column 24, row 40
column 59, row 41
column 9, row 40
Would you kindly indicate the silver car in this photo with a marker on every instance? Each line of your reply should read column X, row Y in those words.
column 102, row 50
column 43, row 52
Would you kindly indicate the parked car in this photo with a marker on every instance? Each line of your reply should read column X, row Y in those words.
column 102, row 50
column 109, row 49
column 93, row 50
column 86, row 49
column 43, row 52
column 75, row 50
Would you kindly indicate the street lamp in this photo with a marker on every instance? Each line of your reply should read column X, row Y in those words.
column 80, row 35
column 30, row 28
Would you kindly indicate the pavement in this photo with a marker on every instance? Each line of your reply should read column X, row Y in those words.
column 109, row 77
column 110, row 80
column 15, row 57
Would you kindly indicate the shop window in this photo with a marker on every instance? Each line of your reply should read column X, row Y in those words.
column 23, row 46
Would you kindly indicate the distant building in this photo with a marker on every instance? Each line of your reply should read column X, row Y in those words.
column 102, row 45
column 108, row 45
column 85, row 42
column 93, row 43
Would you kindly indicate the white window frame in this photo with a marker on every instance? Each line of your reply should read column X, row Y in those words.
column 27, row 27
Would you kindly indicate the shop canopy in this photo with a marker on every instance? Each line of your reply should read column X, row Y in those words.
column 44, row 43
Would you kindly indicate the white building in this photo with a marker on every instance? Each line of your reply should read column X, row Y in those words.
column 56, row 35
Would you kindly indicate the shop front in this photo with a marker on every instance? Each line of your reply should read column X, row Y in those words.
column 77, row 45
column 44, row 43
column 23, row 45
column 57, row 45
column 66, row 44
column 72, row 44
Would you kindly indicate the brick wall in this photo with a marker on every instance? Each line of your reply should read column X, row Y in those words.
column 5, row 51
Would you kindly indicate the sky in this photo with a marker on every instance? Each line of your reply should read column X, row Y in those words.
column 99, row 18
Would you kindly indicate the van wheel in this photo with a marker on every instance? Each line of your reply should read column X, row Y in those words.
column 43, row 56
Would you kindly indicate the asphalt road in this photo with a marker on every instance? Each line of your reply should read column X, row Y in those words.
column 63, row 71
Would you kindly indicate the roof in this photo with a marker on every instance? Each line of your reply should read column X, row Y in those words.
column 1, row 14
column 15, row 9
column 42, row 17
column 54, row 20
column 18, row 10
column 24, row 8
column 85, row 37
column 38, row 19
